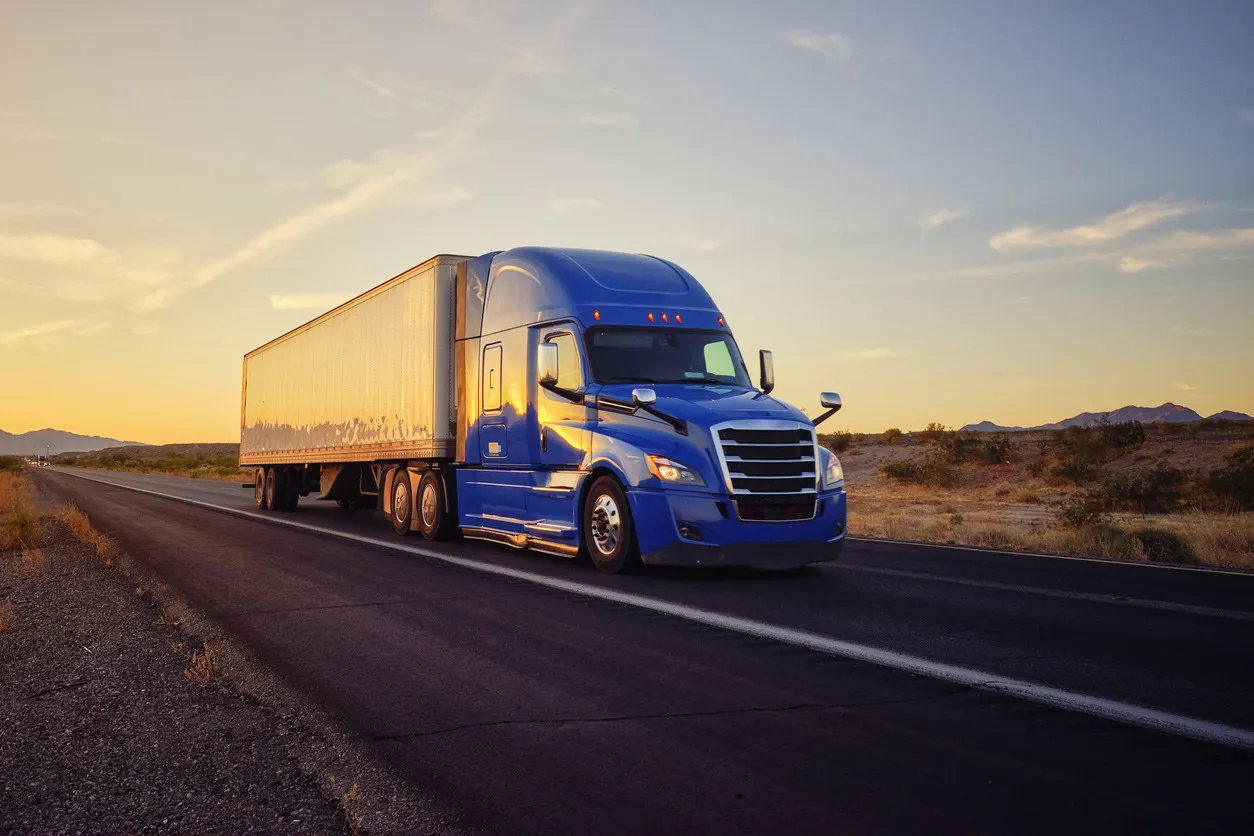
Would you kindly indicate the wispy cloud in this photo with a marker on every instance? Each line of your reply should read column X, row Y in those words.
column 79, row 269
column 1104, row 230
column 1131, row 264
column 696, row 242
column 147, row 329
column 874, row 354
column 33, row 210
column 388, row 92
column 572, row 204
column 607, row 120
column 930, row 222
column 1246, row 114
column 833, row 46
column 93, row 329
column 302, row 301
column 1189, row 332
column 1184, row 387
column 610, row 91
column 43, row 329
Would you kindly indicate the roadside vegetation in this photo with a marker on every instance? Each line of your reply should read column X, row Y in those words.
column 197, row 461
column 1171, row 493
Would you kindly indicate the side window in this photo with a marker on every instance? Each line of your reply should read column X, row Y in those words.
column 569, row 374
column 718, row 360
column 492, row 378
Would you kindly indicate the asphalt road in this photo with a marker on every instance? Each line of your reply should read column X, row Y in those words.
column 732, row 702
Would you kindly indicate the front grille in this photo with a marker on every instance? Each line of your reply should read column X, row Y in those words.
column 775, row 462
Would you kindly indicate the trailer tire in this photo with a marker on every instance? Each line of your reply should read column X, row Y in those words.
column 287, row 488
column 609, row 533
column 433, row 517
column 402, row 503
column 259, row 488
column 271, row 490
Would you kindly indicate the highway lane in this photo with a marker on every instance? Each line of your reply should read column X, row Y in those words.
column 535, row 710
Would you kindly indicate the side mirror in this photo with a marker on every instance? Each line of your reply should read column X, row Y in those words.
column 643, row 397
column 831, row 402
column 546, row 362
column 767, row 379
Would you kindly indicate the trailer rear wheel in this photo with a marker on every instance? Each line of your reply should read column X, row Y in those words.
column 433, row 518
column 402, row 502
column 609, row 534
column 287, row 488
column 259, row 488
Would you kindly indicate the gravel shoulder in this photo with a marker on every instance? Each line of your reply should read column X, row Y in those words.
column 101, row 730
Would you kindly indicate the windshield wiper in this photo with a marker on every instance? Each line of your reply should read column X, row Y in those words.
column 702, row 379
column 630, row 380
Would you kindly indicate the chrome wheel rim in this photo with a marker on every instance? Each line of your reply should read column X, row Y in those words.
column 270, row 489
column 400, row 501
column 428, row 505
column 259, row 487
column 607, row 524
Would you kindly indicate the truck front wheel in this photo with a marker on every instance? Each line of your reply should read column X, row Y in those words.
column 402, row 502
column 609, row 534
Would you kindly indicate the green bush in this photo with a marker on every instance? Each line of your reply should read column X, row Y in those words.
column 1165, row 546
column 892, row 434
column 1073, row 467
column 1126, row 434
column 1234, row 482
column 1157, row 490
column 934, row 432
column 11, row 464
column 1084, row 509
column 837, row 442
column 926, row 472
column 997, row 449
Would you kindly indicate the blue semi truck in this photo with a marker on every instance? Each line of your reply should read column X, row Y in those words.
column 568, row 401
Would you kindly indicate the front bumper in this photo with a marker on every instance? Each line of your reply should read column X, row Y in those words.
column 728, row 541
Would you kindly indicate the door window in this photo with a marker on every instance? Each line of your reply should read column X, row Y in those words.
column 569, row 374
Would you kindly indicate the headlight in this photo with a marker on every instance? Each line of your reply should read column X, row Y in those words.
column 833, row 473
column 669, row 470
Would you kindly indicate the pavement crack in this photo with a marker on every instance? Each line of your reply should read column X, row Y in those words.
column 55, row 689
column 678, row 715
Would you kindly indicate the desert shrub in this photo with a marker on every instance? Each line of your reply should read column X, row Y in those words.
column 996, row 449
column 892, row 434
column 20, row 530
column 1103, row 540
column 1234, row 482
column 1165, row 546
column 1084, row 509
column 1073, row 467
column 933, row 432
column 959, row 447
column 1157, row 490
column 925, row 472
column 837, row 442
column 11, row 464
column 1036, row 467
column 1125, row 434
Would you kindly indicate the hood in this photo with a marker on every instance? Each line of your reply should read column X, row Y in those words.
column 707, row 404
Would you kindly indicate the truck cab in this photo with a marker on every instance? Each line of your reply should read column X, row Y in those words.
column 603, row 404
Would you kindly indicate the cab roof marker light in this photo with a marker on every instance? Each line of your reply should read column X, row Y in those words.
column 664, row 318
column 721, row 322
column 678, row 320
column 596, row 315
column 650, row 316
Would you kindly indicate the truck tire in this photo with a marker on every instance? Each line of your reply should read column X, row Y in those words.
column 609, row 534
column 271, row 492
column 402, row 503
column 259, row 488
column 433, row 517
column 287, row 488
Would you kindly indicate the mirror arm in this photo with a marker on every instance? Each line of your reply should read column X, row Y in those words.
column 569, row 394
column 679, row 424
column 820, row 419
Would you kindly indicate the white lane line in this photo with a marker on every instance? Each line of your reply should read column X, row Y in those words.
column 1109, row 561
column 1146, row 603
column 1122, row 712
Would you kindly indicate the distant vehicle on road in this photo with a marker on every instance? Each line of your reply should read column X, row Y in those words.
column 545, row 398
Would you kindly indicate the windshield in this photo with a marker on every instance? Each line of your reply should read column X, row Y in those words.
column 665, row 355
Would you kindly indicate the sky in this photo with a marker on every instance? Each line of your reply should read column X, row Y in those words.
column 962, row 211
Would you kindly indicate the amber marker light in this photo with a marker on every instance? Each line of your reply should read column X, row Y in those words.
column 721, row 322
column 664, row 319
column 596, row 315
column 678, row 320
column 650, row 316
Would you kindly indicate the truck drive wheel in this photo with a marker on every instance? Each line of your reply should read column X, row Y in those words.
column 271, row 490
column 609, row 534
column 402, row 503
column 433, row 518
column 259, row 488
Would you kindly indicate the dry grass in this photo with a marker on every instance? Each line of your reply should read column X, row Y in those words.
column 350, row 802
column 203, row 669
column 13, row 495
column 34, row 564
column 7, row 616
column 19, row 524
column 80, row 526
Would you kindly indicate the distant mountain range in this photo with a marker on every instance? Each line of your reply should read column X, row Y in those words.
column 36, row 442
column 1168, row 413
